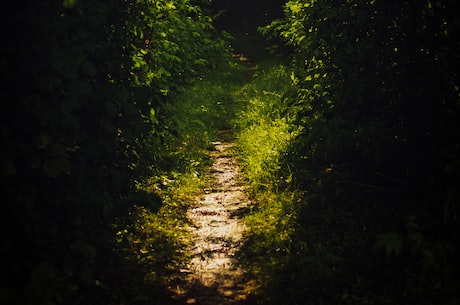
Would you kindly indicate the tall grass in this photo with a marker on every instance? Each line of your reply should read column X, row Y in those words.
column 265, row 129
column 265, row 126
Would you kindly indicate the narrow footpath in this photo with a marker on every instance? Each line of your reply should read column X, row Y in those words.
column 213, row 276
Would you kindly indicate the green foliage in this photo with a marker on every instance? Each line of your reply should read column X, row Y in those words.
column 148, row 246
column 85, row 86
column 266, row 250
column 391, row 242
column 376, row 157
column 198, row 112
column 265, row 126
column 351, row 154
column 265, row 130
column 149, row 241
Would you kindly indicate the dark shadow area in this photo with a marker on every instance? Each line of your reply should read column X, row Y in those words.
column 199, row 294
column 146, row 199
column 237, row 16
column 240, row 212
column 242, row 18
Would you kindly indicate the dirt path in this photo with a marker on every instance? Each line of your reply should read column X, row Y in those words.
column 212, row 275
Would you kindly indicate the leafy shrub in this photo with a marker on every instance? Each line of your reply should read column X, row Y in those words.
column 265, row 129
column 375, row 157
column 82, row 124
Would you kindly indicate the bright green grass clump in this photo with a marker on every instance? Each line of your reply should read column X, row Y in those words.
column 265, row 126
column 265, row 131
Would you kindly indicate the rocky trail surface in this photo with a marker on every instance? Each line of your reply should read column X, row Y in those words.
column 213, row 275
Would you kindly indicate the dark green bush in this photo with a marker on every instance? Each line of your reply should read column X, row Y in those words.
column 84, row 84
column 377, row 157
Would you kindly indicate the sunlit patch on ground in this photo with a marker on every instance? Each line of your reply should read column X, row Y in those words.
column 213, row 276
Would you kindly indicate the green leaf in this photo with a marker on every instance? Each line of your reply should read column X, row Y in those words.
column 391, row 242
column 153, row 118
column 69, row 3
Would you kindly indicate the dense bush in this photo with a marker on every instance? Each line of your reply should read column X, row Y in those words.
column 377, row 157
column 84, row 84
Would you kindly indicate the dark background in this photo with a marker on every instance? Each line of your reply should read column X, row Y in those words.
column 245, row 16
column 241, row 18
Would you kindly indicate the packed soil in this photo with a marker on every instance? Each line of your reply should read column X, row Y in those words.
column 213, row 276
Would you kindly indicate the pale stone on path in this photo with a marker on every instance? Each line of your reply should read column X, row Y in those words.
column 213, row 275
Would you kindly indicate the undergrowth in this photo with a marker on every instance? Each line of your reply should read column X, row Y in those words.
column 198, row 113
column 150, row 239
column 264, row 126
column 264, row 134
